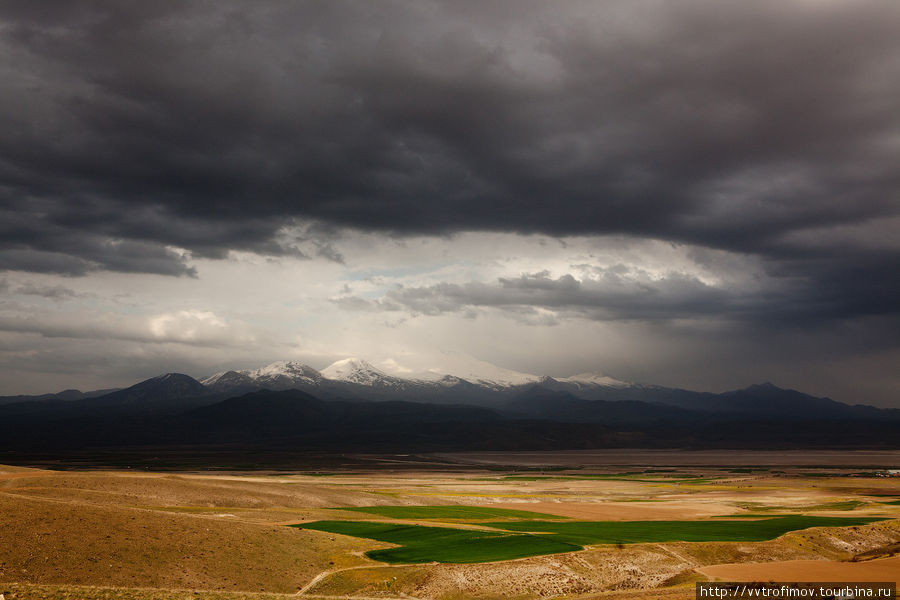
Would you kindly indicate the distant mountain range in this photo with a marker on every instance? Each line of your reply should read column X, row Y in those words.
column 357, row 378
column 353, row 405
column 63, row 395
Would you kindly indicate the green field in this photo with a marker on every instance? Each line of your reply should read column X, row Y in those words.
column 449, row 512
column 629, row 532
column 421, row 544
column 518, row 539
column 626, row 477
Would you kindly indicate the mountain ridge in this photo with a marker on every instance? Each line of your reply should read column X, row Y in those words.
column 353, row 371
column 282, row 422
column 355, row 378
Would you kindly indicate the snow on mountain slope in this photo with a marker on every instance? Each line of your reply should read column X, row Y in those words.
column 360, row 372
column 593, row 380
column 227, row 380
column 498, row 378
column 214, row 379
column 286, row 370
column 480, row 373
column 278, row 375
column 458, row 370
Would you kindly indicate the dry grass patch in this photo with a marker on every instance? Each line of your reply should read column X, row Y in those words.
column 29, row 591
column 152, row 489
column 61, row 542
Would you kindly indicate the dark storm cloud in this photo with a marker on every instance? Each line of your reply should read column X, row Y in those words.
column 129, row 128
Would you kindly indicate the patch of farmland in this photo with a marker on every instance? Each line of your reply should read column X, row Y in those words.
column 450, row 512
column 420, row 544
column 884, row 569
column 628, row 532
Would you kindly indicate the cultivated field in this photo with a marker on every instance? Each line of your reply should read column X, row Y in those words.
column 449, row 526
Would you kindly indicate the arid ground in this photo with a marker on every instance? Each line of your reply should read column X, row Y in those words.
column 95, row 533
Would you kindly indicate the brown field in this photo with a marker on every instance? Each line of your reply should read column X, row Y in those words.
column 216, row 535
column 883, row 569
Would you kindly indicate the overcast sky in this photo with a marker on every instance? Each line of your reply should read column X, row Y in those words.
column 700, row 193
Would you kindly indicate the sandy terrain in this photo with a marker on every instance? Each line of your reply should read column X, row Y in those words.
column 884, row 569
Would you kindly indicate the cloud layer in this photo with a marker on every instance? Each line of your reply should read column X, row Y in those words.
column 207, row 125
column 758, row 142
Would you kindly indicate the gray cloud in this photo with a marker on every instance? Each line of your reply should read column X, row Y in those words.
column 715, row 123
column 792, row 297
column 188, row 327
column 613, row 294
column 53, row 292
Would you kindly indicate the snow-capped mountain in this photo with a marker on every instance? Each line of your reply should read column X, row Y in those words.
column 281, row 375
column 456, row 369
column 229, row 380
column 467, row 380
column 484, row 375
column 360, row 372
column 593, row 380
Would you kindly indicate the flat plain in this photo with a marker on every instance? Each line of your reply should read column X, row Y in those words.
column 460, row 526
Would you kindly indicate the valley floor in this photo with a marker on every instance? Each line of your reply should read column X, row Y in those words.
column 220, row 535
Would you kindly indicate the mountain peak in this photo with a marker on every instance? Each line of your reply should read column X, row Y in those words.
column 593, row 379
column 354, row 370
column 167, row 377
column 165, row 387
column 351, row 362
column 278, row 375
column 287, row 368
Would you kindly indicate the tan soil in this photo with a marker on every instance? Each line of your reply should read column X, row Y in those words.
column 154, row 489
column 4, row 476
column 884, row 569
column 30, row 591
column 67, row 540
